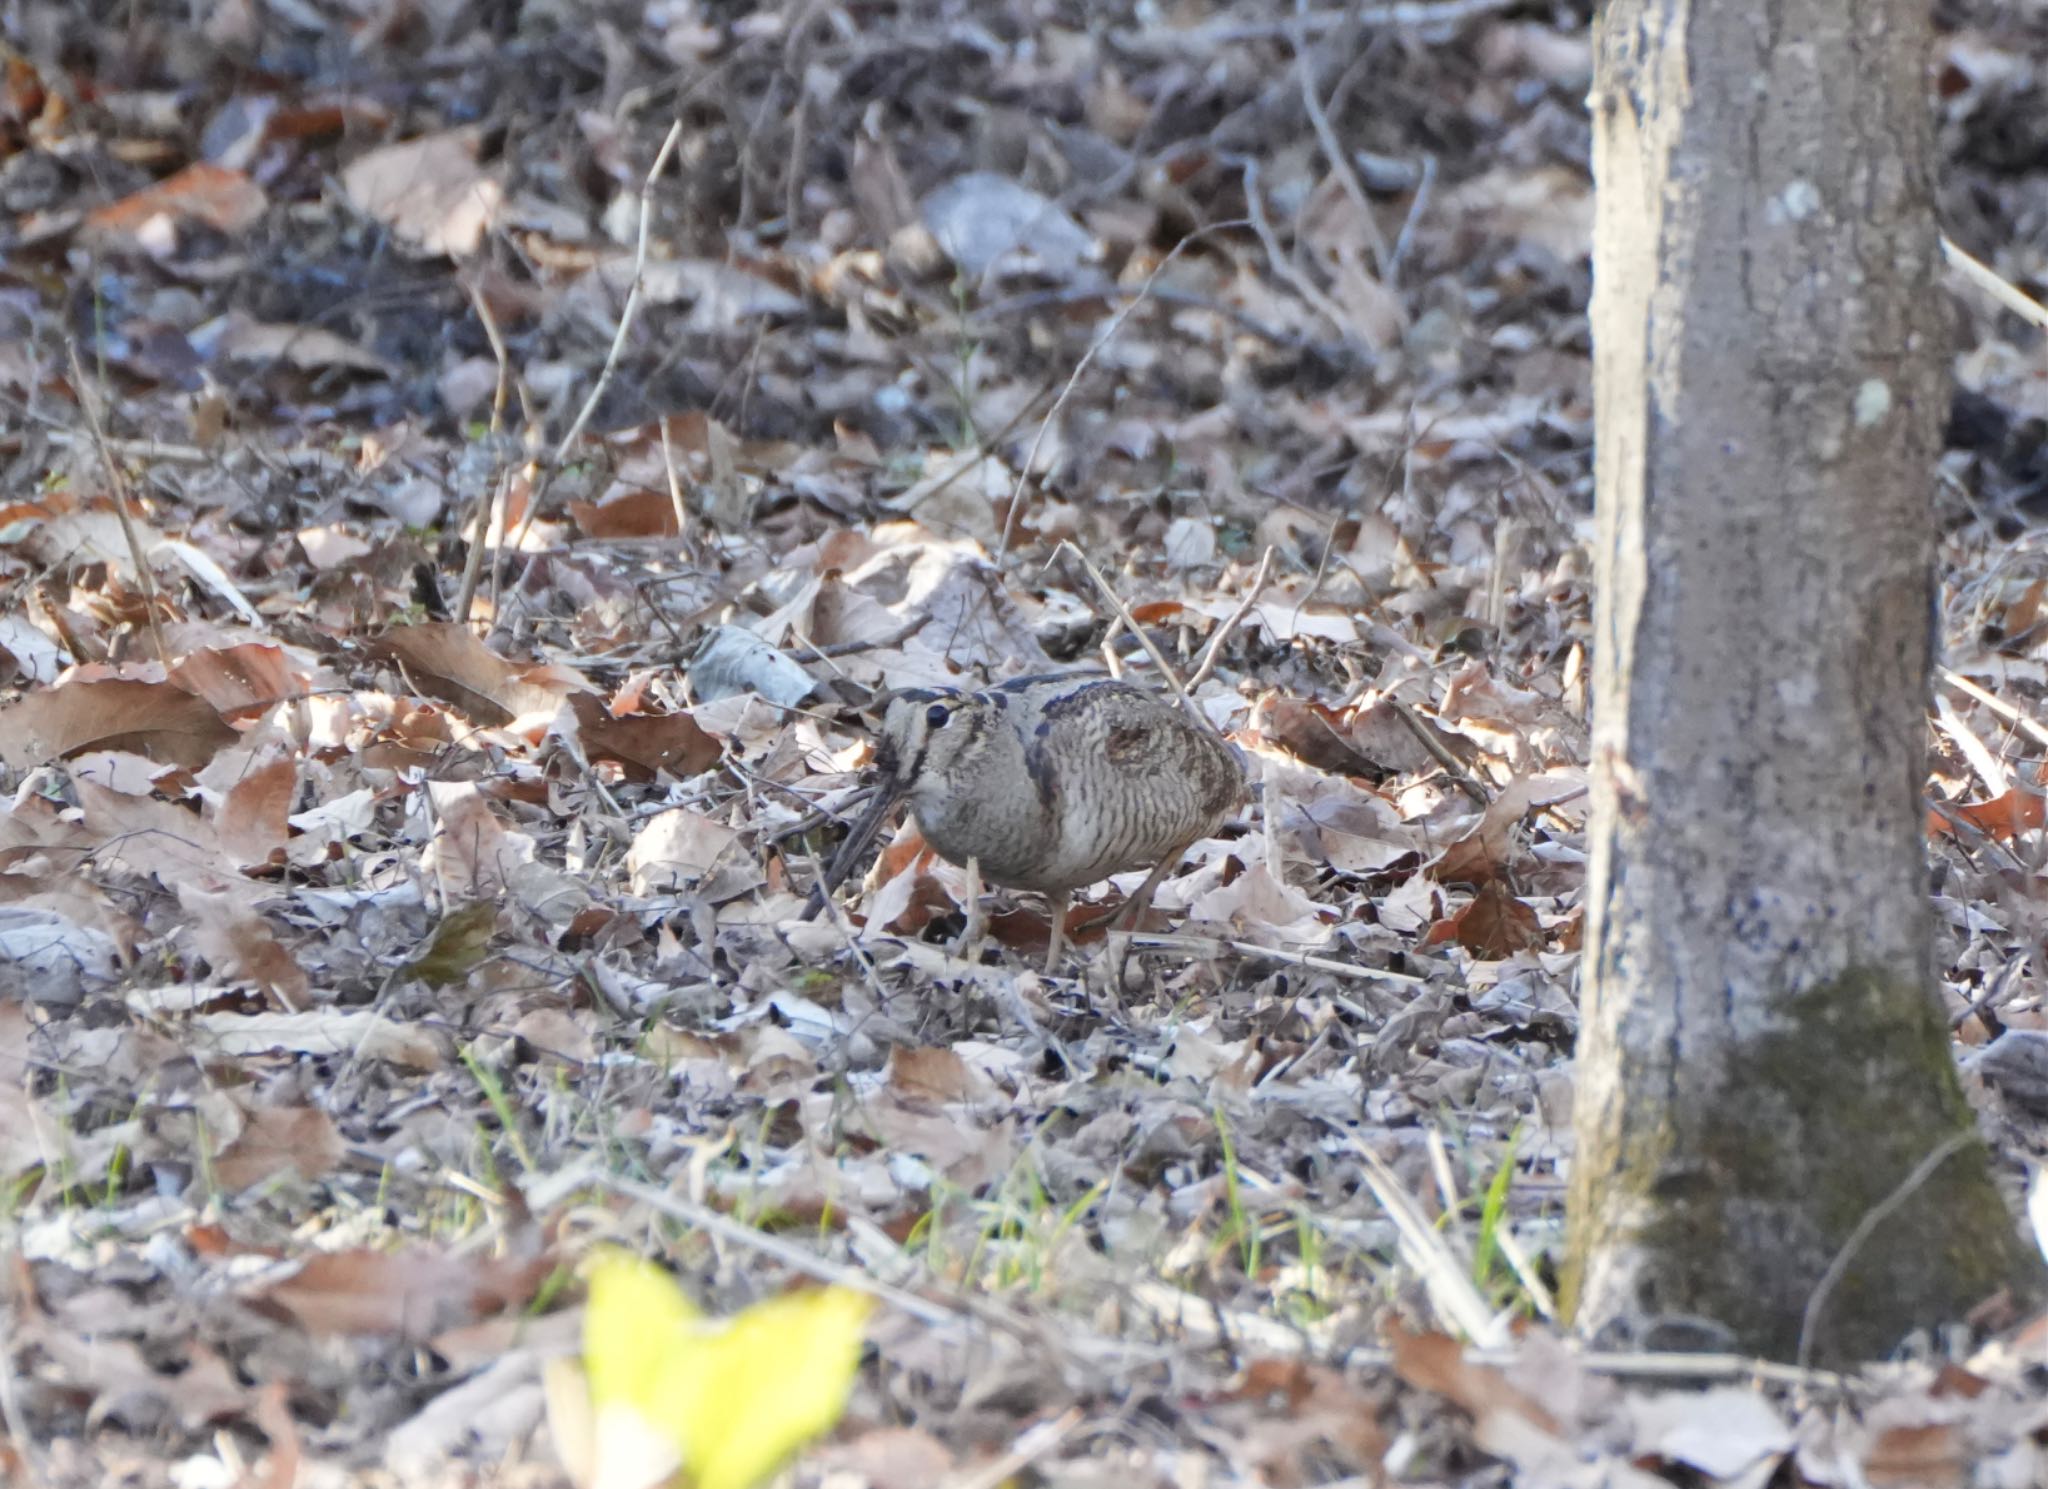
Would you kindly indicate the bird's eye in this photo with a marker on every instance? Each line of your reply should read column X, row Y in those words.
column 935, row 717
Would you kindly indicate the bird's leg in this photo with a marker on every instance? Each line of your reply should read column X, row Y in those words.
column 1133, row 909
column 1061, row 899
column 969, row 944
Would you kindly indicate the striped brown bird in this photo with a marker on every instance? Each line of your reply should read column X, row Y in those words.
column 1051, row 783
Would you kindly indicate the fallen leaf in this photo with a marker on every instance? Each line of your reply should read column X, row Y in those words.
column 446, row 661
column 225, row 200
column 158, row 720
column 413, row 1294
column 429, row 191
column 643, row 743
column 274, row 1140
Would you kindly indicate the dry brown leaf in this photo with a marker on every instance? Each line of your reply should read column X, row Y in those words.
column 557, row 1032
column 325, row 1031
column 224, row 200
column 308, row 348
column 634, row 513
column 889, row 1458
column 1436, row 1362
column 1726, row 1433
column 447, row 662
column 429, row 191
column 684, row 850
column 1261, row 905
column 1493, row 925
column 252, row 820
column 2005, row 816
column 271, row 1413
column 1314, row 733
column 141, row 835
column 414, row 1294
column 158, row 720
column 120, row 1380
column 937, row 1076
column 643, row 743
column 240, row 944
column 472, row 856
column 1479, row 856
column 275, row 1140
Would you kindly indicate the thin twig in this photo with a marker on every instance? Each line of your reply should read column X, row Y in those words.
column 1199, row 944
column 701, row 1217
column 1995, row 993
column 1411, row 15
column 627, row 315
column 1123, row 613
column 144, row 580
column 140, row 449
column 853, row 648
column 1949, row 1146
column 479, row 525
column 1333, row 148
column 480, row 512
column 1439, row 751
column 1082, row 294
column 2023, row 722
column 1108, row 335
column 1416, row 204
column 1032, row 1444
column 501, row 394
column 675, row 485
column 1994, row 284
column 11, row 1415
column 1206, row 663
column 1284, row 265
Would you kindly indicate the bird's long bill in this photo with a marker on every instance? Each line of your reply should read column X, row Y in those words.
column 858, row 841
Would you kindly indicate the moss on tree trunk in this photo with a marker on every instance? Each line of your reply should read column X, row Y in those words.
column 1763, row 1063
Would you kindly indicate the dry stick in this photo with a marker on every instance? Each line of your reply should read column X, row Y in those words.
column 2024, row 722
column 1115, row 324
column 144, row 580
column 1416, row 204
column 1453, row 767
column 1082, row 294
column 141, row 449
column 502, row 393
column 675, row 487
column 1922, row 1172
column 1993, row 283
column 627, row 316
column 1196, row 944
column 797, row 1259
column 1407, row 14
column 960, row 1311
column 1207, row 662
column 1333, row 148
column 1123, row 613
column 1287, row 269
column 1032, row 1444
column 479, row 523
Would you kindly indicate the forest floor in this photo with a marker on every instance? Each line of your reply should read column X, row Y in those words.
column 379, row 933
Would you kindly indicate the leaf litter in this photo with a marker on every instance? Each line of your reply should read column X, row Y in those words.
column 429, row 909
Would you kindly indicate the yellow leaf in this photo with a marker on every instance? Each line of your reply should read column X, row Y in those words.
column 776, row 1376
column 728, row 1400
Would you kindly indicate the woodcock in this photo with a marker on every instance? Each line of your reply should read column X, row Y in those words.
column 1051, row 783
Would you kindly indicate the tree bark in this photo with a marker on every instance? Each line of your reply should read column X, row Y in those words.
column 1764, row 1065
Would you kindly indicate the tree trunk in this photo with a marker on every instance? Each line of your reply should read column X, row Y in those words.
column 1764, row 1065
